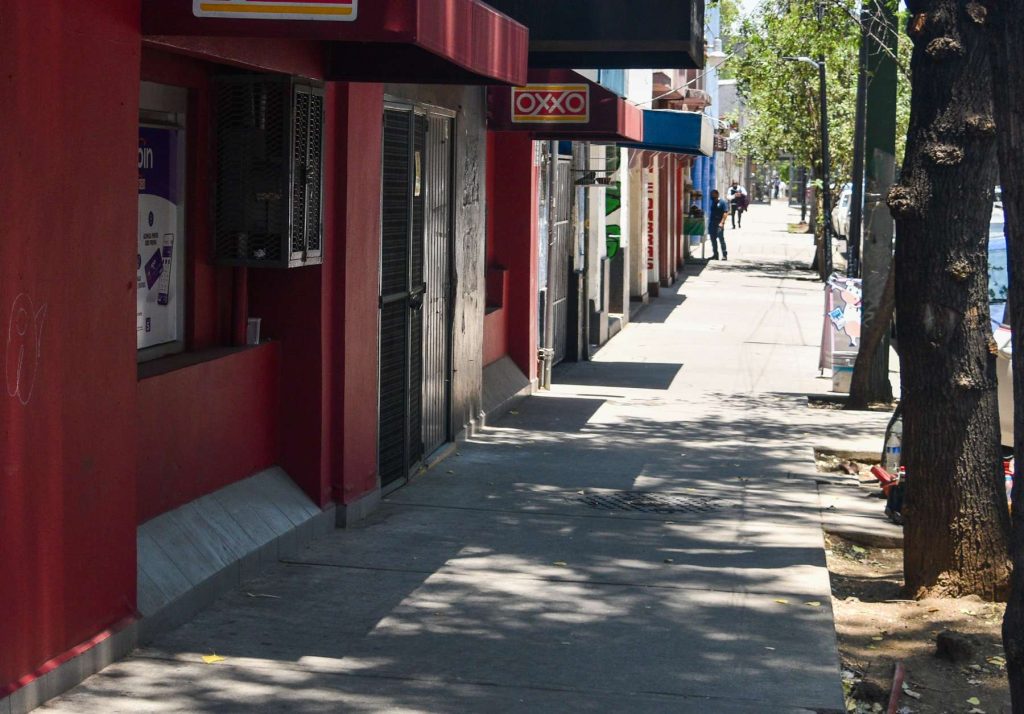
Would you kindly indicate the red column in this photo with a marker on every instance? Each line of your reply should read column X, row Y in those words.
column 351, row 291
column 512, row 240
column 680, row 213
column 664, row 222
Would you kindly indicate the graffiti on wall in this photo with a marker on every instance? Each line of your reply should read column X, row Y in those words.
column 23, row 348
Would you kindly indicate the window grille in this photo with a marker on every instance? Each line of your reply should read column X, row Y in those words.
column 269, row 171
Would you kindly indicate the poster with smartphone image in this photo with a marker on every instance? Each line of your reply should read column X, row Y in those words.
column 159, row 259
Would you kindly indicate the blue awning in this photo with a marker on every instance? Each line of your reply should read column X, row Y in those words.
column 677, row 132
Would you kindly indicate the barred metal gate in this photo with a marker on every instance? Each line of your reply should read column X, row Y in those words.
column 401, row 296
column 415, row 287
column 560, row 259
column 437, row 268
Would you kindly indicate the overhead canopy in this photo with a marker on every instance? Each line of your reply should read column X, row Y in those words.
column 436, row 41
column 677, row 132
column 561, row 104
column 612, row 34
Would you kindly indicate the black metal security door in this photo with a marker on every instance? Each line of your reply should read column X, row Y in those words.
column 560, row 257
column 402, row 288
column 437, row 186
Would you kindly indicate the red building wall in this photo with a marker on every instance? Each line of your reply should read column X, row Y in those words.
column 512, row 245
column 69, row 119
column 288, row 303
column 206, row 426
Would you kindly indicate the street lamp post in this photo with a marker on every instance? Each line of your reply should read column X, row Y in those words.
column 826, row 159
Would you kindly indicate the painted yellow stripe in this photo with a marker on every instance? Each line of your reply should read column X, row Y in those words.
column 552, row 88
column 272, row 8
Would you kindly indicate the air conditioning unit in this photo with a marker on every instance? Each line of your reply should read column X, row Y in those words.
column 269, row 147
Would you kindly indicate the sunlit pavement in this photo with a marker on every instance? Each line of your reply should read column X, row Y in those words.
column 504, row 580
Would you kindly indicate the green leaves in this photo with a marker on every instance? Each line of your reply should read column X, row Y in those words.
column 781, row 97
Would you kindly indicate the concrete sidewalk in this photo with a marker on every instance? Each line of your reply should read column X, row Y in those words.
column 505, row 580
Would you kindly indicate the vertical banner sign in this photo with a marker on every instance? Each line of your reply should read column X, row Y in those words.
column 651, row 226
column 277, row 9
column 156, row 307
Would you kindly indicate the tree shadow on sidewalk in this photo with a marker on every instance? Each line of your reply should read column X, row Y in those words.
column 488, row 585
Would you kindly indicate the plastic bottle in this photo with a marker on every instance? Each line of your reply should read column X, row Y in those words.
column 1008, row 467
column 894, row 448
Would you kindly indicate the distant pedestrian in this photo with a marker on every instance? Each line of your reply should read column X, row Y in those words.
column 716, row 224
column 738, row 203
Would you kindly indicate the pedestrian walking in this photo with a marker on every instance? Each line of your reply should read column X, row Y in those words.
column 716, row 225
column 738, row 203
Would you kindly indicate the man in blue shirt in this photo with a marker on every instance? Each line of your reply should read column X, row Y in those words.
column 716, row 224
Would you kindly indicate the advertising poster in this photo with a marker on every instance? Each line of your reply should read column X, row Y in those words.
column 158, row 263
column 841, row 326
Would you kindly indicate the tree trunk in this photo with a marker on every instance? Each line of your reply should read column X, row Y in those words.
column 871, row 373
column 1006, row 24
column 864, row 387
column 956, row 537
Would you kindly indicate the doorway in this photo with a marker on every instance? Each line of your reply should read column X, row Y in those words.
column 415, row 289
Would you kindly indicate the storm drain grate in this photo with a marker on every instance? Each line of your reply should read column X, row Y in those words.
column 644, row 502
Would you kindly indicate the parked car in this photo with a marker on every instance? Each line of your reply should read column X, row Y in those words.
column 998, row 287
column 841, row 212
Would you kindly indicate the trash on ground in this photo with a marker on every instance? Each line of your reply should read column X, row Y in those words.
column 910, row 692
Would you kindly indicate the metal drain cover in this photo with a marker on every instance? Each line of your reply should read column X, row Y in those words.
column 645, row 502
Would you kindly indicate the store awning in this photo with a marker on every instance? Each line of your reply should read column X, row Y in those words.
column 561, row 104
column 612, row 34
column 676, row 132
column 422, row 41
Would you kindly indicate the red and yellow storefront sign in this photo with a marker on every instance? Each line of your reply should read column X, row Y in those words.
column 551, row 104
column 277, row 9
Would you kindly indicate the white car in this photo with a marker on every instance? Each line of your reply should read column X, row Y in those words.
column 841, row 212
column 998, row 286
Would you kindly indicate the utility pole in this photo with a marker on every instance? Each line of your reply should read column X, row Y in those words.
column 826, row 172
column 803, row 194
column 825, row 263
column 853, row 232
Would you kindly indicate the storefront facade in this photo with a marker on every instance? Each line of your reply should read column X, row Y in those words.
column 246, row 252
column 323, row 245
column 555, row 131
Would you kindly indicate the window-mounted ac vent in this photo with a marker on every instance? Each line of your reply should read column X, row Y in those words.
column 269, row 142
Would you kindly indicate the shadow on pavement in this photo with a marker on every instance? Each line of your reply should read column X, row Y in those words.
column 788, row 270
column 622, row 375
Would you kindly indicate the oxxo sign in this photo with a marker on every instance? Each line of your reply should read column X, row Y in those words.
column 277, row 9
column 551, row 104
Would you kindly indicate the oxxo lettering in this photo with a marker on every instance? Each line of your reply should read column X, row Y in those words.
column 538, row 103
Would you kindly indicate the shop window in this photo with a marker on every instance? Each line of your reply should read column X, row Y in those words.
column 269, row 178
column 161, row 239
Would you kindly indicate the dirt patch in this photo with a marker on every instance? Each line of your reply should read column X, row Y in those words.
column 829, row 462
column 825, row 404
column 839, row 404
column 876, row 629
